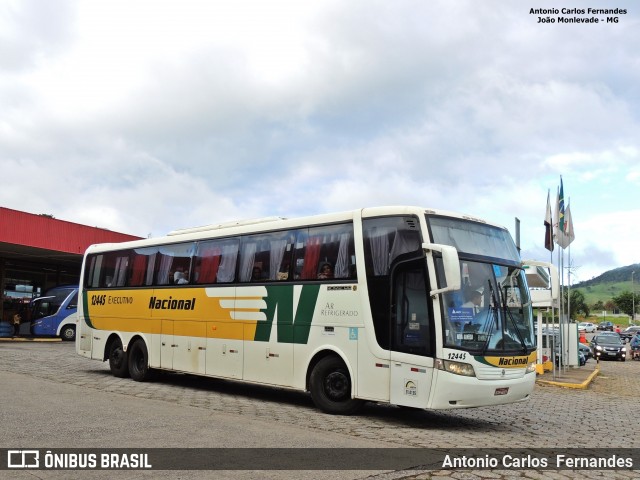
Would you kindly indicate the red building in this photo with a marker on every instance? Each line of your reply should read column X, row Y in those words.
column 38, row 252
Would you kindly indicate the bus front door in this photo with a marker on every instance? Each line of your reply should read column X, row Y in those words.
column 411, row 336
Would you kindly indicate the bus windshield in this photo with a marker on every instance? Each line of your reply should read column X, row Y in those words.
column 474, row 238
column 491, row 314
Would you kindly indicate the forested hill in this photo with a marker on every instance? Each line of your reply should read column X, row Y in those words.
column 622, row 274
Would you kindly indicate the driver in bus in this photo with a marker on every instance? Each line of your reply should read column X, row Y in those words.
column 474, row 300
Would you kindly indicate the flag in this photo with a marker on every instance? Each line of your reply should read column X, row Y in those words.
column 568, row 235
column 556, row 215
column 569, row 224
column 558, row 227
column 548, row 237
column 561, row 208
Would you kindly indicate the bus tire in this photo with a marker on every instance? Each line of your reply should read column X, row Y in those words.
column 118, row 359
column 68, row 332
column 330, row 386
column 139, row 361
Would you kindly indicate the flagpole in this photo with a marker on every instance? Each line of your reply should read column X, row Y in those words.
column 569, row 293
column 553, row 312
column 562, row 310
column 569, row 274
column 563, row 318
column 553, row 307
column 550, row 229
column 548, row 243
column 560, row 241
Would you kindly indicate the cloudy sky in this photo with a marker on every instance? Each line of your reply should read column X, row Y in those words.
column 148, row 116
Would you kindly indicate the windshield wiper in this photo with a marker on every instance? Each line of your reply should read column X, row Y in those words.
column 493, row 310
column 507, row 313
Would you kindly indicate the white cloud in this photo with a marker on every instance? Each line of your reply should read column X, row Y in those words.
column 198, row 112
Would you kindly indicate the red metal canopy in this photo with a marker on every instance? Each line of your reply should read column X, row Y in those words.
column 42, row 232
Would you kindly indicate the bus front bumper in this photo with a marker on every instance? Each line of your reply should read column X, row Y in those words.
column 456, row 391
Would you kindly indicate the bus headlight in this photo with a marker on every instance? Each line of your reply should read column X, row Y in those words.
column 531, row 367
column 456, row 368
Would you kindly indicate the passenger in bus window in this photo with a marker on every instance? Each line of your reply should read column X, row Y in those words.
column 256, row 274
column 283, row 274
column 180, row 277
column 185, row 278
column 326, row 271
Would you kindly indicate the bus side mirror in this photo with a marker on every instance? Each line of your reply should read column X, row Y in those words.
column 451, row 265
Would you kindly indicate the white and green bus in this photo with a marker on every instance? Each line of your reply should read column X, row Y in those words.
column 404, row 305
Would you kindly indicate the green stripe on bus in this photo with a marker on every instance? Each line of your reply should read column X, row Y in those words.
column 85, row 308
column 289, row 330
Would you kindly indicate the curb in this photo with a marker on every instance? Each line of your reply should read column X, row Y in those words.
column 582, row 385
column 23, row 339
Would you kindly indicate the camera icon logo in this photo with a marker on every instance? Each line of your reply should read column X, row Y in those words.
column 23, row 459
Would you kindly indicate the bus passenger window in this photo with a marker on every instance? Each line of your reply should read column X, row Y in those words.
column 174, row 259
column 266, row 257
column 327, row 247
column 215, row 261
column 142, row 266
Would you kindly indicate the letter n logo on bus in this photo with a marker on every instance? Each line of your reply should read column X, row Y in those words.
column 290, row 327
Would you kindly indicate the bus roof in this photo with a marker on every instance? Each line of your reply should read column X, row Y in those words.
column 267, row 224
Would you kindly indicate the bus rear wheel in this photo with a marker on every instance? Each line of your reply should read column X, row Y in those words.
column 118, row 359
column 139, row 361
column 330, row 386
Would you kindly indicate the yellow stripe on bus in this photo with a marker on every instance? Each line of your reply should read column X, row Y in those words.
column 184, row 311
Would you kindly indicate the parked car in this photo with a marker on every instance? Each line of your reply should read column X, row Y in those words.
column 628, row 333
column 587, row 327
column 582, row 360
column 585, row 350
column 606, row 326
column 609, row 346
column 611, row 334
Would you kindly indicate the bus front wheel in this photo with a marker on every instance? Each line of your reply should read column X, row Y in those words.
column 139, row 361
column 118, row 359
column 330, row 386
column 68, row 332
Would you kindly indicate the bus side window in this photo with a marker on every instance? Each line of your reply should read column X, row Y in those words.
column 142, row 266
column 318, row 247
column 108, row 270
column 92, row 271
column 385, row 239
column 174, row 265
column 215, row 261
column 266, row 257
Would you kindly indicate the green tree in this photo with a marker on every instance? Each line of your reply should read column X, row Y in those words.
column 625, row 302
column 576, row 303
column 598, row 306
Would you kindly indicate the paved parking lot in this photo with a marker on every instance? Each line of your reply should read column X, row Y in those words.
column 553, row 418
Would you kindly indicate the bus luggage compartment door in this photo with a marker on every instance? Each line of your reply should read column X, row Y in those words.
column 410, row 383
